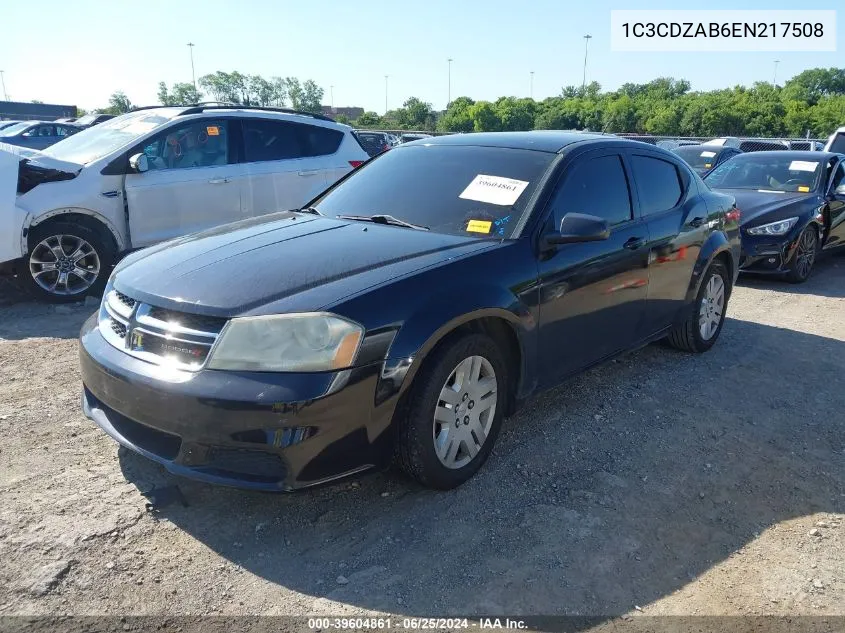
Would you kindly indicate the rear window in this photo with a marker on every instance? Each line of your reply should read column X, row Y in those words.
column 658, row 184
column 266, row 140
column 698, row 157
column 459, row 190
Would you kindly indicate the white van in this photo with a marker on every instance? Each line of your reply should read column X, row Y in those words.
column 152, row 175
column 836, row 142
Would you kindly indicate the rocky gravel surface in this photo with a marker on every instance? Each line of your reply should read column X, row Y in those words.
column 660, row 483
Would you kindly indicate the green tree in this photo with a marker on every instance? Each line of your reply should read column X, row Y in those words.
column 415, row 114
column 516, row 114
column 118, row 104
column 815, row 83
column 827, row 115
column 457, row 117
column 484, row 117
column 179, row 94
column 369, row 120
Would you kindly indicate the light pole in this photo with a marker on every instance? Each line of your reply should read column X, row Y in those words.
column 193, row 74
column 531, row 86
column 385, row 93
column 3, row 81
column 449, row 93
column 587, row 39
column 775, row 77
column 331, row 89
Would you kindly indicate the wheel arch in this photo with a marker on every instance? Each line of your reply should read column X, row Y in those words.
column 84, row 217
column 716, row 247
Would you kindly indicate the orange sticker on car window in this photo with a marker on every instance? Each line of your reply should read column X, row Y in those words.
column 479, row 226
column 213, row 130
column 804, row 189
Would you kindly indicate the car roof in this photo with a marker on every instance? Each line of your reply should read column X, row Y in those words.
column 551, row 141
column 795, row 154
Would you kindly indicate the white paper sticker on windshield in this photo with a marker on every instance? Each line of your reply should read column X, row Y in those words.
column 708, row 154
column 803, row 165
column 494, row 190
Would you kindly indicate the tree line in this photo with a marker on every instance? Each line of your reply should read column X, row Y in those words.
column 233, row 87
column 812, row 101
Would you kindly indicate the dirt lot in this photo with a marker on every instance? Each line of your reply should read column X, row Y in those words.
column 661, row 483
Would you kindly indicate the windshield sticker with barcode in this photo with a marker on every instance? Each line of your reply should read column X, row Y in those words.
column 803, row 165
column 494, row 190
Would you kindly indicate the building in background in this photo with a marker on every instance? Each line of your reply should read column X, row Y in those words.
column 350, row 113
column 20, row 111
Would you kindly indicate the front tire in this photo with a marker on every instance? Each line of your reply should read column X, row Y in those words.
column 457, row 404
column 804, row 257
column 699, row 332
column 67, row 261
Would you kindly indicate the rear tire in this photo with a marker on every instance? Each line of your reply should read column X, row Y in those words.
column 804, row 257
column 67, row 261
column 457, row 404
column 699, row 332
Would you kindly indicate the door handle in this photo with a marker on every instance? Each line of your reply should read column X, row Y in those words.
column 217, row 181
column 696, row 222
column 634, row 243
column 309, row 172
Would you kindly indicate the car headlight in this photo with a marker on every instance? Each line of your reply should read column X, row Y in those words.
column 773, row 228
column 288, row 343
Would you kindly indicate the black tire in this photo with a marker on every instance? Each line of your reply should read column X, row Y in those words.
column 687, row 335
column 804, row 257
column 102, row 258
column 415, row 451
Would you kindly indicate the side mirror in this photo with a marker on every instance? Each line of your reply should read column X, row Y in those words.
column 578, row 227
column 139, row 163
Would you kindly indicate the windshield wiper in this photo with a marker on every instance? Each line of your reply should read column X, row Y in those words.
column 381, row 218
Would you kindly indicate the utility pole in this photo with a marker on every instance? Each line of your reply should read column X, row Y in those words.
column 587, row 39
column 531, row 86
column 385, row 93
column 3, row 81
column 331, row 89
column 449, row 93
column 193, row 74
column 775, row 77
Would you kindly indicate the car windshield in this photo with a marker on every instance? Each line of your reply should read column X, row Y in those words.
column 88, row 119
column 98, row 141
column 698, row 157
column 459, row 190
column 781, row 172
column 14, row 129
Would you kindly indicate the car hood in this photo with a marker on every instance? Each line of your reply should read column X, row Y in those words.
column 758, row 206
column 287, row 262
column 40, row 159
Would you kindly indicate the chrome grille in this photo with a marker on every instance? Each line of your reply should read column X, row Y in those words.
column 164, row 337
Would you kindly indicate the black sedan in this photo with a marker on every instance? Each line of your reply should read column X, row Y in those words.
column 704, row 158
column 793, row 206
column 407, row 310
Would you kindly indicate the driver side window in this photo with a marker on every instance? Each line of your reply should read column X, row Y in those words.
column 838, row 177
column 193, row 144
column 595, row 186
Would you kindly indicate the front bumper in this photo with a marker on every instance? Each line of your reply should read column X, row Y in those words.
column 768, row 254
column 264, row 431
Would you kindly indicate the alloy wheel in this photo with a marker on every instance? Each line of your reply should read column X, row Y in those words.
column 806, row 253
column 712, row 307
column 64, row 265
column 465, row 411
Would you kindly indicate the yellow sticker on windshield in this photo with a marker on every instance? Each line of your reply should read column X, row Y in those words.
column 803, row 189
column 213, row 130
column 479, row 226
column 708, row 165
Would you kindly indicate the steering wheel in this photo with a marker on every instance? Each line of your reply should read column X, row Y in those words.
column 793, row 182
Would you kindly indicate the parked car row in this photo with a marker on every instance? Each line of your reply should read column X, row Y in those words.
column 296, row 319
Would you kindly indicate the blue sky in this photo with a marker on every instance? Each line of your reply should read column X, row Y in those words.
column 82, row 52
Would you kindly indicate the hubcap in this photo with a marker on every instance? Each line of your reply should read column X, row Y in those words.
column 712, row 307
column 465, row 411
column 806, row 254
column 64, row 265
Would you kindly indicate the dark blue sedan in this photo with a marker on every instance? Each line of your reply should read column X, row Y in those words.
column 37, row 134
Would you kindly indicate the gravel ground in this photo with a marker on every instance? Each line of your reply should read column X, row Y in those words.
column 661, row 483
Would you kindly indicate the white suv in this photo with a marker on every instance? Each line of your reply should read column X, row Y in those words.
column 155, row 174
